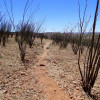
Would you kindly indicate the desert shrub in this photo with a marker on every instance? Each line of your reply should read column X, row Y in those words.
column 56, row 37
column 24, row 31
column 24, row 36
column 41, row 36
column 65, row 40
column 5, row 30
column 31, row 39
column 3, row 33
column 21, row 38
column 60, row 39
column 30, row 34
column 16, row 36
column 92, row 60
column 96, row 39
column 46, row 36
column 86, row 41
column 12, row 34
column 22, row 48
column 8, row 31
column 75, row 43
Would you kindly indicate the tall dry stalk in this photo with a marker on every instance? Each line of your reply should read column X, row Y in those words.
column 92, row 60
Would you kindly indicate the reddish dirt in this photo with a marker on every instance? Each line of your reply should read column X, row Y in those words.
column 49, row 73
column 62, row 67
column 17, row 80
column 50, row 88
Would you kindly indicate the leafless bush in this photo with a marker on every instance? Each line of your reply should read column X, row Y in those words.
column 83, row 23
column 56, row 37
column 38, row 28
column 41, row 36
column 92, row 60
column 65, row 40
column 24, row 31
column 5, row 29
column 75, row 42
column 24, row 37
column 30, row 34
column 61, row 39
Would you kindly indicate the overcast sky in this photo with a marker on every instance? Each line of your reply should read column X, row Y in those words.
column 58, row 14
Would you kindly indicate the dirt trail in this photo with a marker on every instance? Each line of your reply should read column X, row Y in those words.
column 50, row 88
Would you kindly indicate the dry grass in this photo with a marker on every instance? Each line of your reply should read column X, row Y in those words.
column 63, row 67
column 17, row 83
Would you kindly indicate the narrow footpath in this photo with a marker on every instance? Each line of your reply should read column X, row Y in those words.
column 50, row 88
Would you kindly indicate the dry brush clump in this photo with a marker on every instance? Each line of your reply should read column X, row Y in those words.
column 92, row 60
column 5, row 32
column 61, row 39
column 74, row 40
column 41, row 36
column 82, row 26
column 65, row 40
column 25, row 31
column 24, row 36
column 38, row 29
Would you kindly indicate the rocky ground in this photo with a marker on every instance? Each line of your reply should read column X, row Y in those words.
column 16, row 80
column 63, row 68
column 45, row 70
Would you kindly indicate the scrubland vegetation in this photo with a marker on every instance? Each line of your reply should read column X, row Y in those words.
column 29, row 42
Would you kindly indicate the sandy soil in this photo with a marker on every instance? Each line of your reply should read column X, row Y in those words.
column 63, row 68
column 17, row 83
column 49, row 73
column 51, row 90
